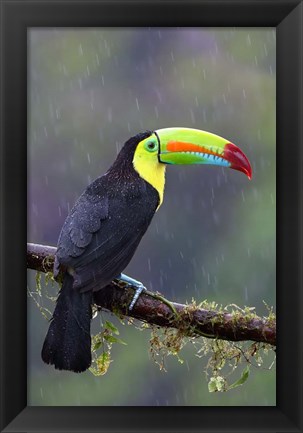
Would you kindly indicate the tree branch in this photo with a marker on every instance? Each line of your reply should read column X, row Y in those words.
column 192, row 320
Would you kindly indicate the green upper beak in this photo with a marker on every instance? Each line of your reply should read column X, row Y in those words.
column 193, row 146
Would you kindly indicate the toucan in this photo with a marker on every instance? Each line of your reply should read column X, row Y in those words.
column 103, row 229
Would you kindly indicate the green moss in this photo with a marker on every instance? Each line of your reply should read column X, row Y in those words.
column 102, row 344
column 223, row 357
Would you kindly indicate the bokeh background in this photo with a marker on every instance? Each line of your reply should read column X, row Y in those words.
column 214, row 237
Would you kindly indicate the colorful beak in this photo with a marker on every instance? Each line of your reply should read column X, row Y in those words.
column 192, row 146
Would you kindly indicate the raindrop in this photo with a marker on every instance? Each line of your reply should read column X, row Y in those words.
column 204, row 114
column 265, row 50
column 137, row 103
column 216, row 218
column 192, row 116
column 35, row 209
column 159, row 95
column 187, row 365
column 255, row 193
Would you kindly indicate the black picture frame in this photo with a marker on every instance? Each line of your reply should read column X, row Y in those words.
column 16, row 18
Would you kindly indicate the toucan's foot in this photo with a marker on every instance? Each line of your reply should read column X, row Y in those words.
column 137, row 285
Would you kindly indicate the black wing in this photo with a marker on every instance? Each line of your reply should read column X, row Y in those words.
column 102, row 232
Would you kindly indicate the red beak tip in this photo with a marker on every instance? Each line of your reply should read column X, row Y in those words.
column 238, row 160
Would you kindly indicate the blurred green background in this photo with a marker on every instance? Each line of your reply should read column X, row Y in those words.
column 214, row 237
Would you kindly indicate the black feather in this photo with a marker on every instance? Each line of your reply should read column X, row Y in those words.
column 97, row 241
column 68, row 342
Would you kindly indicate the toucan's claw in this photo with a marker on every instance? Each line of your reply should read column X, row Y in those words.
column 135, row 284
column 138, row 292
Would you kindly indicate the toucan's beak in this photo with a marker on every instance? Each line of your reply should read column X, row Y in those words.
column 192, row 146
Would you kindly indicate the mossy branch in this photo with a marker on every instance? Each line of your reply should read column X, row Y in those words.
column 192, row 319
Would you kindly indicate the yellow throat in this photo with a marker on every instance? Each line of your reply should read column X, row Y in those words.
column 149, row 168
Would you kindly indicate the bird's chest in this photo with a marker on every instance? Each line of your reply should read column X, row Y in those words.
column 138, row 200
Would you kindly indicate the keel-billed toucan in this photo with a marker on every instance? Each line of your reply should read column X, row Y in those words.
column 103, row 229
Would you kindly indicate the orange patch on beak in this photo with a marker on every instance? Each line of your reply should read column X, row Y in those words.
column 180, row 146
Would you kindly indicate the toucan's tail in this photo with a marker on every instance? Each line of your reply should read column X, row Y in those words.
column 67, row 344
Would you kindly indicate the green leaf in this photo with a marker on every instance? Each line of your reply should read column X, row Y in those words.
column 97, row 345
column 111, row 339
column 243, row 378
column 111, row 326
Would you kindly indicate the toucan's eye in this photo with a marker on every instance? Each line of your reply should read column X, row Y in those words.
column 151, row 146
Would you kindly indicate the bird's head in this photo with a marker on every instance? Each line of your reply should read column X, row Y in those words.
column 190, row 146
